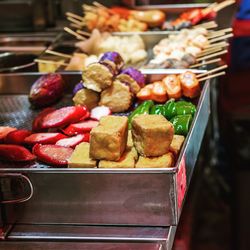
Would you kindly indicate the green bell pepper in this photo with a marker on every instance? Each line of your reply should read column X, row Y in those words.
column 170, row 109
column 182, row 124
column 158, row 110
column 185, row 108
column 143, row 108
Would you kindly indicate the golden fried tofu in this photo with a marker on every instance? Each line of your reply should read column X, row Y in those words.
column 80, row 157
column 86, row 97
column 134, row 86
column 152, row 135
column 164, row 161
column 130, row 143
column 126, row 161
column 175, row 146
column 117, row 97
column 97, row 77
column 108, row 140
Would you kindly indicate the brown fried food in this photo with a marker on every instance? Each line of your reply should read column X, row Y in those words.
column 175, row 146
column 152, row 134
column 108, row 140
column 126, row 161
column 117, row 97
column 86, row 97
column 80, row 157
column 164, row 161
column 133, row 85
column 97, row 77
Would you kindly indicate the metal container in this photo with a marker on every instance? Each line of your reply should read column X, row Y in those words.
column 40, row 194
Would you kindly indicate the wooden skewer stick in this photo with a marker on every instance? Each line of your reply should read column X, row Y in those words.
column 99, row 5
column 215, row 47
column 223, row 5
column 55, row 53
column 212, row 55
column 221, row 38
column 72, row 32
column 205, row 63
column 70, row 14
column 79, row 23
column 222, row 44
column 211, row 6
column 207, row 52
column 84, row 33
column 73, row 25
column 204, row 24
column 219, row 33
column 212, row 71
column 212, row 76
column 49, row 61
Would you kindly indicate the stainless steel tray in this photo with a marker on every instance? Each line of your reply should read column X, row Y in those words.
column 131, row 197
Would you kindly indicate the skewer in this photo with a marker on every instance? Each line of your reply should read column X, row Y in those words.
column 73, row 25
column 99, row 5
column 70, row 14
column 212, row 50
column 205, row 63
column 75, row 21
column 212, row 55
column 72, row 32
column 219, row 33
column 223, row 5
column 58, row 53
column 215, row 47
column 212, row 76
column 84, row 33
column 212, row 71
column 222, row 44
column 49, row 61
column 204, row 24
column 221, row 38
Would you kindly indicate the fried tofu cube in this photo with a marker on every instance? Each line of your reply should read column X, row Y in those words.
column 130, row 143
column 86, row 97
column 164, row 161
column 108, row 140
column 152, row 135
column 176, row 144
column 80, row 157
column 126, row 161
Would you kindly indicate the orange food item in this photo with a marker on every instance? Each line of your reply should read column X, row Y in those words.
column 144, row 94
column 190, row 85
column 173, row 86
column 159, row 92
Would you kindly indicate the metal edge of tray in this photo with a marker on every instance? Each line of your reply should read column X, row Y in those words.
column 96, row 170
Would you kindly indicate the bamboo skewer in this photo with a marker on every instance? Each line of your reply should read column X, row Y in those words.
column 223, row 5
column 80, row 23
column 208, row 24
column 49, row 61
column 55, row 53
column 72, row 32
column 70, row 14
column 212, row 55
column 210, row 51
column 212, row 76
column 84, row 33
column 205, row 63
column 222, row 44
column 212, row 71
column 220, row 38
column 73, row 25
column 215, row 47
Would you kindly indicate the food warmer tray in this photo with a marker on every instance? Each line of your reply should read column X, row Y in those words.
column 42, row 195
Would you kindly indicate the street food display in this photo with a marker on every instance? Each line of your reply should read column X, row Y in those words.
column 121, row 19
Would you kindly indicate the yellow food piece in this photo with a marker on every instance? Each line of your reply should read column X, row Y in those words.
column 164, row 161
column 86, row 97
column 80, row 157
column 175, row 146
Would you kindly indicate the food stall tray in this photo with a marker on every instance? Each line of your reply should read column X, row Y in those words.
column 68, row 196
column 88, row 237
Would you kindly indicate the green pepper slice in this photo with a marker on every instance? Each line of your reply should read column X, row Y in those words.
column 185, row 108
column 170, row 109
column 158, row 110
column 182, row 124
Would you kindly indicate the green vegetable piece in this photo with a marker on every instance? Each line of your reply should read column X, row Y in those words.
column 170, row 109
column 143, row 108
column 158, row 110
column 185, row 108
column 182, row 124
